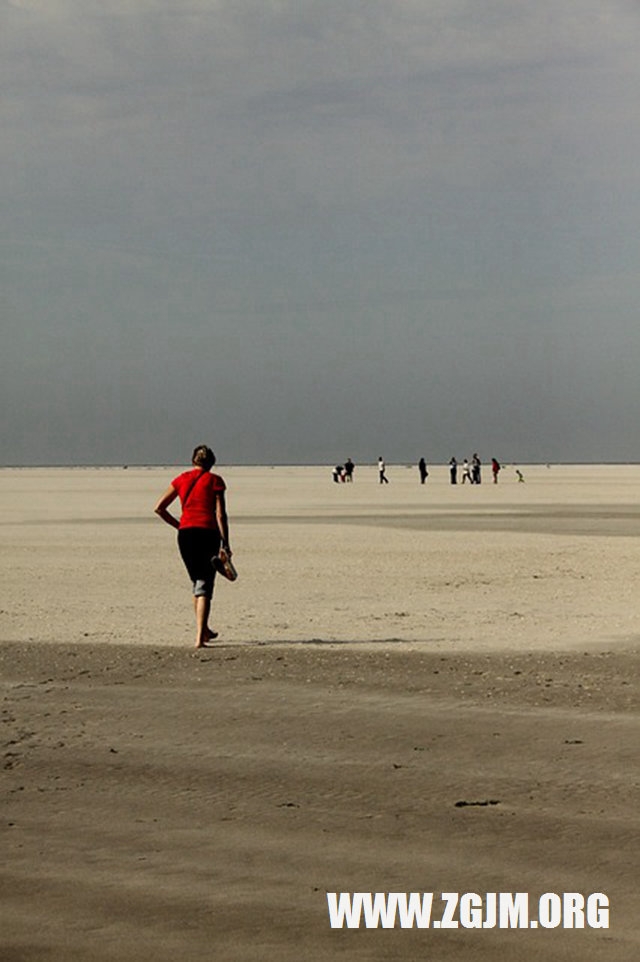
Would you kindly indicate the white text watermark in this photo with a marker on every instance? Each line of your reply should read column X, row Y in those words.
column 467, row 910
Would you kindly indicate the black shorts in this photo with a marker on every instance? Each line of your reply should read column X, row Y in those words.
column 197, row 547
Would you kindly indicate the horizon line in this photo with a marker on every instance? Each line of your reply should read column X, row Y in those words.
column 296, row 464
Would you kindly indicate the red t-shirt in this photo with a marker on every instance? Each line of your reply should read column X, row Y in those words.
column 200, row 511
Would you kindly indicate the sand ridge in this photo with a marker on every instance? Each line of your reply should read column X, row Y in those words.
column 163, row 804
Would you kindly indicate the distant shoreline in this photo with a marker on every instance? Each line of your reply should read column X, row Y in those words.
column 306, row 464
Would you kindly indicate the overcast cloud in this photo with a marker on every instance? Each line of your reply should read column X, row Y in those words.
column 306, row 229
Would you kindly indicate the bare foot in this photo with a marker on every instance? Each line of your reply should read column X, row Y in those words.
column 209, row 636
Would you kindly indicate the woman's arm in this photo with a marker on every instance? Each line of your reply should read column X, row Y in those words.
column 161, row 508
column 223, row 521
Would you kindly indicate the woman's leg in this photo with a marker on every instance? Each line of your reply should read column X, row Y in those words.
column 202, row 611
column 197, row 546
column 202, row 606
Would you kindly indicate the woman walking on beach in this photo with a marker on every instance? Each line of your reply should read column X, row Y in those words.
column 203, row 530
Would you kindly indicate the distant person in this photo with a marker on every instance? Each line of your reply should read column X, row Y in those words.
column 338, row 473
column 495, row 469
column 475, row 469
column 520, row 476
column 349, row 468
column 382, row 471
column 453, row 471
column 203, row 531
column 466, row 472
column 422, row 470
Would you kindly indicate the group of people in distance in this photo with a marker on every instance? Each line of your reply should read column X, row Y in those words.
column 471, row 471
column 343, row 472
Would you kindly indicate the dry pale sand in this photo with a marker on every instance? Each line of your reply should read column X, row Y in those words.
column 386, row 653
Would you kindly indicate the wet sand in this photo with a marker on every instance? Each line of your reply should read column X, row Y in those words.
column 160, row 803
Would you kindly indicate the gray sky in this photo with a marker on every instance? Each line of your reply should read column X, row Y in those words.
column 305, row 229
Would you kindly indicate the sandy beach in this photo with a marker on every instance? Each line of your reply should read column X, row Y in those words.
column 415, row 688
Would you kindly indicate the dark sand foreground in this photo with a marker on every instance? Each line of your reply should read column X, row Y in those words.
column 164, row 805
